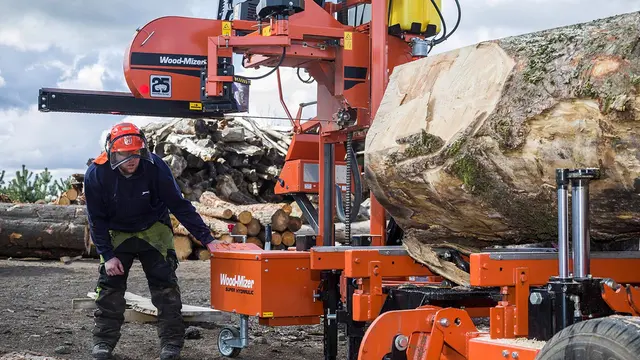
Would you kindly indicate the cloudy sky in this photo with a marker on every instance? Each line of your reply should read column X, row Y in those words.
column 67, row 44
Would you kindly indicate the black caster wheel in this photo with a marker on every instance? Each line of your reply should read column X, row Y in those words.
column 225, row 335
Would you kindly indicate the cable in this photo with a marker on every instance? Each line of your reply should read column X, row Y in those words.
column 444, row 24
column 284, row 53
column 308, row 81
column 445, row 36
column 457, row 22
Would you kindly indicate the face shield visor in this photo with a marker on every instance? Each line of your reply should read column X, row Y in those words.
column 126, row 147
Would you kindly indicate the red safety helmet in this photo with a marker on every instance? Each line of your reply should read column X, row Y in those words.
column 124, row 142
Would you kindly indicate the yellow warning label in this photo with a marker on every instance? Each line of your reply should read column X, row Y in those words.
column 195, row 106
column 226, row 28
column 348, row 40
column 267, row 314
column 266, row 31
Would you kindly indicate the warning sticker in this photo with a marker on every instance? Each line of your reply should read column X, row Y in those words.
column 348, row 40
column 195, row 106
column 267, row 314
column 226, row 28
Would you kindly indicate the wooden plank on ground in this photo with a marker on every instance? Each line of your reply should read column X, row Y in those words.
column 145, row 311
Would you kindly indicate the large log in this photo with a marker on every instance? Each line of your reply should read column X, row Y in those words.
column 43, row 230
column 465, row 144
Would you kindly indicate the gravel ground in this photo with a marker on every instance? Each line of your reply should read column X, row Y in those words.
column 36, row 317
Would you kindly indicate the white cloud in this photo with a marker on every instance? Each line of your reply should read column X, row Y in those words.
column 3, row 82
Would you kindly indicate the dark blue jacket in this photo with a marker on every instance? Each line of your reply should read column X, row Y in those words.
column 133, row 204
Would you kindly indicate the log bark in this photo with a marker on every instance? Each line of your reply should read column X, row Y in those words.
column 215, row 212
column 43, row 230
column 235, row 160
column 465, row 144
column 260, row 212
column 295, row 223
column 253, row 227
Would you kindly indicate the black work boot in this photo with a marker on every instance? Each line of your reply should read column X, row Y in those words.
column 170, row 352
column 101, row 351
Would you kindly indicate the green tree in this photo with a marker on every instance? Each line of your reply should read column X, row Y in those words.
column 26, row 188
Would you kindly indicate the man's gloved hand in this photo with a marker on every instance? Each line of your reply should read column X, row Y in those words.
column 114, row 267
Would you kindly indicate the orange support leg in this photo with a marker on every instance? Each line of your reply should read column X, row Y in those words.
column 426, row 333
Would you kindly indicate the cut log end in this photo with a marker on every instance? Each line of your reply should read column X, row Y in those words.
column 279, row 220
column 245, row 217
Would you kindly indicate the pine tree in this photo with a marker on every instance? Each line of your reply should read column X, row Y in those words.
column 23, row 189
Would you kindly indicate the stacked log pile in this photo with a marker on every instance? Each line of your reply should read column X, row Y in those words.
column 74, row 195
column 234, row 158
column 232, row 222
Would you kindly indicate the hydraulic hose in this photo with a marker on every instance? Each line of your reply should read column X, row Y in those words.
column 284, row 53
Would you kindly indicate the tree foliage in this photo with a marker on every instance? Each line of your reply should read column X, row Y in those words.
column 27, row 188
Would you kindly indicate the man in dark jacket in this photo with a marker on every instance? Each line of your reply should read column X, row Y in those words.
column 128, row 204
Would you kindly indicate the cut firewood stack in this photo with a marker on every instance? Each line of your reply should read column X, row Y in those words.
column 232, row 223
column 74, row 195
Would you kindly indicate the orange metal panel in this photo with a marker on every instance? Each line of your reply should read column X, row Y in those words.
column 293, row 176
column 327, row 260
column 484, row 348
column 493, row 272
column 626, row 299
column 433, row 334
column 169, row 35
column 253, row 41
column 306, row 146
column 251, row 282
column 290, row 321
column 352, row 80
column 357, row 264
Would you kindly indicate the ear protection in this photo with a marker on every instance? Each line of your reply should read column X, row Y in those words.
column 107, row 140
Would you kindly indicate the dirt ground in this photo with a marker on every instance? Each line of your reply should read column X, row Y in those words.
column 36, row 316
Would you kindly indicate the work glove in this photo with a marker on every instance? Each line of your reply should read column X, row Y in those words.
column 114, row 267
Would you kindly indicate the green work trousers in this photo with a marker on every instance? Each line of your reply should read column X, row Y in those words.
column 155, row 249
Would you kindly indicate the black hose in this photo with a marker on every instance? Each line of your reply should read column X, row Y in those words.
column 444, row 25
column 284, row 53
column 445, row 36
column 457, row 22
column 308, row 81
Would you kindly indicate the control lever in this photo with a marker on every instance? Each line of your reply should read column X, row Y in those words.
column 243, row 237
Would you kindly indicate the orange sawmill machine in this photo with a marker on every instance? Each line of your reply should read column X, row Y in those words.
column 524, row 303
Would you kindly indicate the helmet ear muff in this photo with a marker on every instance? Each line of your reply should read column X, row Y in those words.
column 106, row 143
